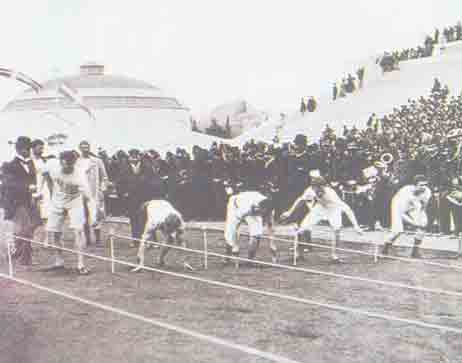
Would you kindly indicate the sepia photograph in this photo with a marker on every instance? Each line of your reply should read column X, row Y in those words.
column 231, row 181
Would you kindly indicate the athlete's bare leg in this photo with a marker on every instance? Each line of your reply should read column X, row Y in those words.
column 388, row 244
column 56, row 237
column 416, row 248
column 335, row 241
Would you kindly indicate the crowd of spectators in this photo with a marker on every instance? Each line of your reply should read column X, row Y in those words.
column 420, row 137
column 349, row 84
column 390, row 60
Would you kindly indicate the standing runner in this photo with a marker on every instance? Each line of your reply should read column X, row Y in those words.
column 69, row 189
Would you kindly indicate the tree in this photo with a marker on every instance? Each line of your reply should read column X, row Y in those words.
column 194, row 126
column 244, row 107
column 215, row 129
column 228, row 128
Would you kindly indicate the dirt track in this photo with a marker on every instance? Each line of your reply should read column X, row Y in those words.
column 39, row 327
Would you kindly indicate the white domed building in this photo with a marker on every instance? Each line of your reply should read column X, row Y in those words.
column 127, row 113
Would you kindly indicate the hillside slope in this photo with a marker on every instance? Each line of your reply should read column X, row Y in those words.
column 379, row 95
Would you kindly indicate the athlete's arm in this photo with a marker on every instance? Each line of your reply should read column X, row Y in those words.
column 296, row 204
column 46, row 179
column 453, row 201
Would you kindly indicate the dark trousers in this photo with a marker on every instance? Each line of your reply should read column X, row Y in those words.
column 25, row 220
column 137, row 219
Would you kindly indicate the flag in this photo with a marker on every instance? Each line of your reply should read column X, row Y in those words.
column 73, row 95
column 21, row 77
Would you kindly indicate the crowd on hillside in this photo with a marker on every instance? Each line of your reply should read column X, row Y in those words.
column 447, row 35
column 389, row 61
column 349, row 84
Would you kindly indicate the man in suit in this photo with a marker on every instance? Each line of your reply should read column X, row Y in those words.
column 20, row 201
column 138, row 184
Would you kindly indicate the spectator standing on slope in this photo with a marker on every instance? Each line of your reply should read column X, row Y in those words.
column 360, row 73
column 334, row 91
column 302, row 106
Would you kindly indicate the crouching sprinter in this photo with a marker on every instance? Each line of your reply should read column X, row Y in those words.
column 160, row 215
column 409, row 211
column 254, row 209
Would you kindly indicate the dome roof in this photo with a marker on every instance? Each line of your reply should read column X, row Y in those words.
column 96, row 81
column 98, row 90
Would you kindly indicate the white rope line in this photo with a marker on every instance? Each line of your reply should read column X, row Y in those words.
column 350, row 250
column 323, row 233
column 164, row 325
column 193, row 225
column 308, row 270
column 330, row 306
column 320, row 230
column 354, row 251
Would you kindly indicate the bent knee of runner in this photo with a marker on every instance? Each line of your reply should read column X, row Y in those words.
column 304, row 228
column 419, row 236
column 147, row 236
column 230, row 236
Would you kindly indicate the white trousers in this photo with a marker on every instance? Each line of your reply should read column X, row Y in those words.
column 318, row 214
column 254, row 223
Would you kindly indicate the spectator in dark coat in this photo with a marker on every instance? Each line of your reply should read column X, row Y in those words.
column 334, row 91
column 138, row 184
column 19, row 203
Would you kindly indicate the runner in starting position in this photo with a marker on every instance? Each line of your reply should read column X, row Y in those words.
column 254, row 209
column 160, row 215
column 408, row 209
column 324, row 204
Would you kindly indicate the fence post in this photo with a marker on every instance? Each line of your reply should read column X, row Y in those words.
column 111, row 246
column 295, row 247
column 376, row 251
column 459, row 254
column 236, row 261
column 204, row 231
column 10, row 260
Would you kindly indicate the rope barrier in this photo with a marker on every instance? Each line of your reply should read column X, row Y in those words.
column 208, row 338
column 304, row 269
column 194, row 226
column 381, row 316
column 276, row 265
column 387, row 230
column 350, row 250
column 324, row 232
